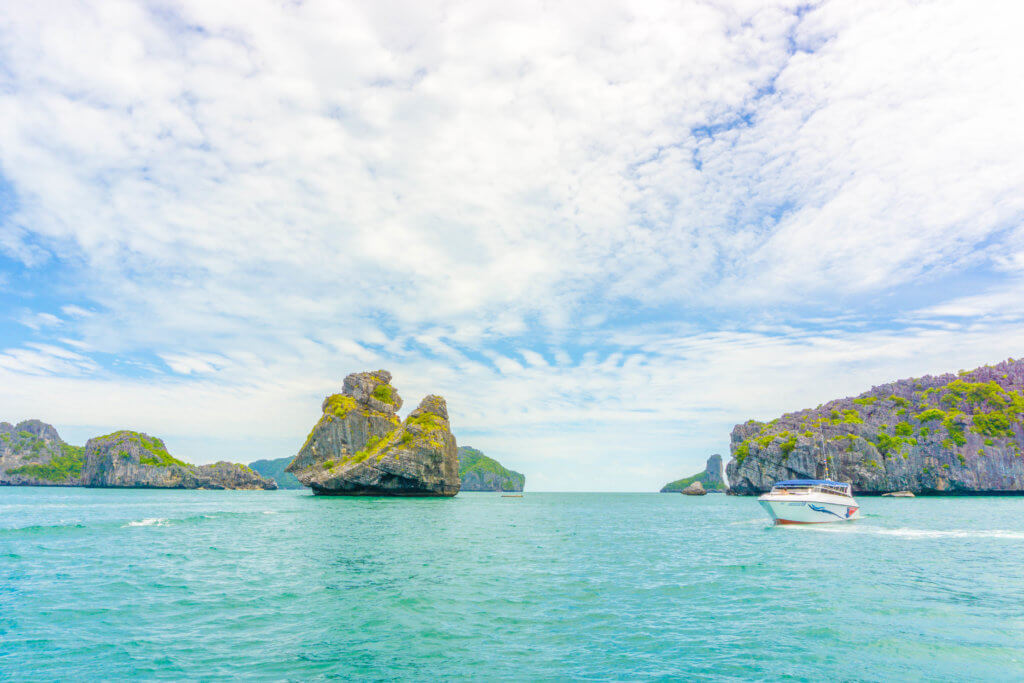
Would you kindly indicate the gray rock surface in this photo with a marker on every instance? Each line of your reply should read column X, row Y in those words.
column 951, row 434
column 33, row 454
column 129, row 459
column 694, row 489
column 360, row 448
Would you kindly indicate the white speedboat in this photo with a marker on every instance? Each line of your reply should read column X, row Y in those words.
column 810, row 501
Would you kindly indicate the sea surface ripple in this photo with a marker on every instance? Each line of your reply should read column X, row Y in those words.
column 108, row 584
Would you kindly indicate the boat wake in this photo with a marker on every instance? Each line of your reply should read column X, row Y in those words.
column 915, row 533
column 756, row 520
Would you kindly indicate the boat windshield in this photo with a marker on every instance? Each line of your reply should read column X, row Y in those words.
column 803, row 487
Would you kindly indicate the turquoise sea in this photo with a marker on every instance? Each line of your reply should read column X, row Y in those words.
column 282, row 585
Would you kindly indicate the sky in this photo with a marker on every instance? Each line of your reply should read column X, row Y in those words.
column 605, row 232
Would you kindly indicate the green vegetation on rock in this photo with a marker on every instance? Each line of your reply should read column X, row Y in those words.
column 64, row 467
column 157, row 455
column 384, row 393
column 339, row 405
column 787, row 446
column 427, row 422
column 742, row 451
column 374, row 446
column 480, row 472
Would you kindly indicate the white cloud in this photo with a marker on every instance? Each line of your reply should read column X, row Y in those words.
column 42, row 359
column 489, row 198
column 73, row 311
column 38, row 321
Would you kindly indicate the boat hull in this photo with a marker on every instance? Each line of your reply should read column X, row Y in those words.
column 809, row 511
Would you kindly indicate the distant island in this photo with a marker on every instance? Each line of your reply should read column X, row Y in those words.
column 275, row 469
column 33, row 454
column 477, row 472
column 480, row 473
column 359, row 447
column 951, row 434
column 710, row 478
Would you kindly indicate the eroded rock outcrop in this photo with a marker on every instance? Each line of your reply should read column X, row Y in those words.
column 951, row 434
column 694, row 489
column 360, row 448
column 33, row 454
column 481, row 473
column 129, row 459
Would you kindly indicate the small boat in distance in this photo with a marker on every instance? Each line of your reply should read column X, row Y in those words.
column 810, row 501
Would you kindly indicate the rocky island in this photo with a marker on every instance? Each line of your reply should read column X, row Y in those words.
column 359, row 447
column 33, row 454
column 949, row 434
column 129, row 459
column 710, row 479
column 481, row 473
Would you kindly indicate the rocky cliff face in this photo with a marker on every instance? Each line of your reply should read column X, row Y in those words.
column 128, row 459
column 33, row 454
column 951, row 434
column 480, row 473
column 360, row 448
column 710, row 479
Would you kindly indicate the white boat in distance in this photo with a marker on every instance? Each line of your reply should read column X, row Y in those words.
column 810, row 501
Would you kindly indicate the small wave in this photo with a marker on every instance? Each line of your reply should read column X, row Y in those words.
column 149, row 521
column 42, row 529
column 918, row 533
column 270, row 512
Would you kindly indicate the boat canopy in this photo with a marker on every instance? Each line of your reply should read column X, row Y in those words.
column 811, row 482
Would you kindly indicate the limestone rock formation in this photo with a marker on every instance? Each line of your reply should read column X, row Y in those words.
column 710, row 478
column 951, row 434
column 129, row 459
column 360, row 448
column 480, row 473
column 694, row 489
column 33, row 454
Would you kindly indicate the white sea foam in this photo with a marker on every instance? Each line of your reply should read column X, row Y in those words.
column 916, row 533
column 149, row 521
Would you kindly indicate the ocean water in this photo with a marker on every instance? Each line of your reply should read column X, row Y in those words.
column 282, row 585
